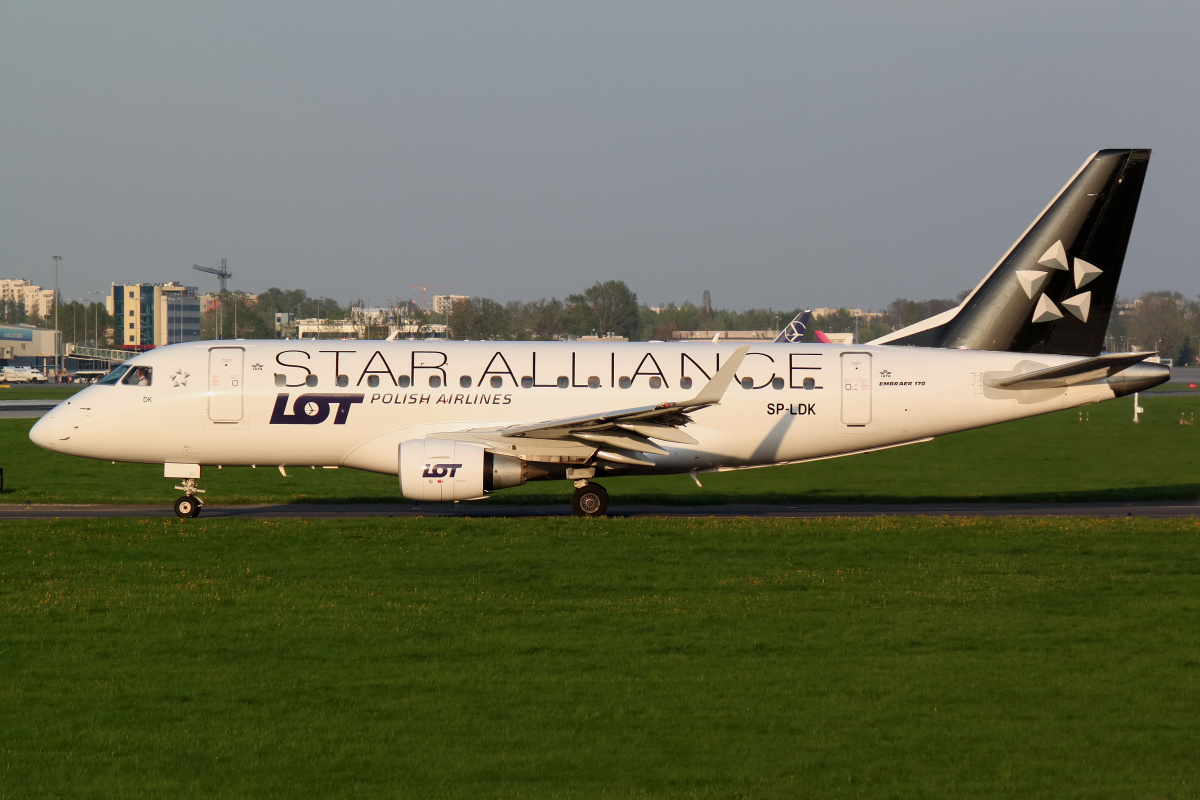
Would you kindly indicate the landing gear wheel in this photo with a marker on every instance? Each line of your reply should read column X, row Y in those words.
column 186, row 507
column 590, row 500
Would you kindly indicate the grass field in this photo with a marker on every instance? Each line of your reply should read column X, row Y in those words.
column 1055, row 457
column 600, row 658
column 25, row 392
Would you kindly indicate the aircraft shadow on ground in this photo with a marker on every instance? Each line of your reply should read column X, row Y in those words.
column 1179, row 491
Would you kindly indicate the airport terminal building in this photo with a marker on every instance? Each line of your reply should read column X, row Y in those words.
column 26, row 346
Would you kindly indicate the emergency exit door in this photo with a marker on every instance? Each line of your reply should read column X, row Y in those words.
column 225, row 383
column 856, row 389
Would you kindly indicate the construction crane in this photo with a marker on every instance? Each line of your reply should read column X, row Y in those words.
column 223, row 273
column 425, row 294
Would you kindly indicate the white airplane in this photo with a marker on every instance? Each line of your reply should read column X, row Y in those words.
column 459, row 420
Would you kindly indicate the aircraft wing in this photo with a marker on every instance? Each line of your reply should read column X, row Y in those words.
column 620, row 435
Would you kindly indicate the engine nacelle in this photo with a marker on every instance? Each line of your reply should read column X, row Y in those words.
column 440, row 470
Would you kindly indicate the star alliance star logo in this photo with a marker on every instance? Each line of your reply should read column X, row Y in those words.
column 179, row 378
column 1082, row 273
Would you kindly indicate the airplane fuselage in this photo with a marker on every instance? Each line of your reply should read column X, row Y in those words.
column 352, row 403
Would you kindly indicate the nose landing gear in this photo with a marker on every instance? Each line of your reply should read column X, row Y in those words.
column 188, row 505
column 589, row 500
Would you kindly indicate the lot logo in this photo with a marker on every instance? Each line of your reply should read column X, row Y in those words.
column 313, row 409
column 440, row 470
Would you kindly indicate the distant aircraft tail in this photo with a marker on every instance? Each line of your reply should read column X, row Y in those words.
column 794, row 331
column 1053, row 291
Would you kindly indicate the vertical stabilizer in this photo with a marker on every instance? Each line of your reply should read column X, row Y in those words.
column 1053, row 291
column 794, row 331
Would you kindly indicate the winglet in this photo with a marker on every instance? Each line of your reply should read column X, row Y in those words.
column 714, row 390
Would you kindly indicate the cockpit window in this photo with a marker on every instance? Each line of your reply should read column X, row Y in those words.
column 138, row 376
column 114, row 376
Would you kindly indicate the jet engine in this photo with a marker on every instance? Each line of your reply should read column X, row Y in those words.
column 437, row 470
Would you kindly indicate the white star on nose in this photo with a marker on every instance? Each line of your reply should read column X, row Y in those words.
column 179, row 378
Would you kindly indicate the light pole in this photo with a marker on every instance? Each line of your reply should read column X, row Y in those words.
column 96, row 328
column 57, row 359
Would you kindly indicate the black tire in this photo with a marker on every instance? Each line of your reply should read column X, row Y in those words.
column 590, row 501
column 186, row 507
column 196, row 508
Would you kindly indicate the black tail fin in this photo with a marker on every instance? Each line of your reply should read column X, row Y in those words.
column 1054, row 289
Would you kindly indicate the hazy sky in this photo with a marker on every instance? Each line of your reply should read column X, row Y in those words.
column 776, row 154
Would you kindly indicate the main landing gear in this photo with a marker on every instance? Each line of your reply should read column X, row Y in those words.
column 188, row 505
column 589, row 500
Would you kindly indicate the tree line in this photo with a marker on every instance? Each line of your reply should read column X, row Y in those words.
column 611, row 308
column 1165, row 321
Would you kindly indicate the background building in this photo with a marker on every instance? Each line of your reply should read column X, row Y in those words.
column 444, row 303
column 36, row 301
column 154, row 314
column 26, row 346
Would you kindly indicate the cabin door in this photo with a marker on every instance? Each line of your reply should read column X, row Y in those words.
column 856, row 389
column 225, row 383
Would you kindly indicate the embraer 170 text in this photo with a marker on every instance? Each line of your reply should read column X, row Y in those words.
column 458, row 420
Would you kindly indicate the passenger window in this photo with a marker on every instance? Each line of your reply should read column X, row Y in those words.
column 777, row 383
column 138, row 376
column 497, row 381
column 563, row 383
column 656, row 382
column 593, row 382
column 465, row 381
column 809, row 383
column 625, row 382
column 685, row 382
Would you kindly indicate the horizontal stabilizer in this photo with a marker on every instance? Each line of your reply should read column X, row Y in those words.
column 1089, row 369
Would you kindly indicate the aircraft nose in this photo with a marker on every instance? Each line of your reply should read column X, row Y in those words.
column 52, row 431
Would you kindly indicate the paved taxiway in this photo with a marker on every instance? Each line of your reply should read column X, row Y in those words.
column 1159, row 510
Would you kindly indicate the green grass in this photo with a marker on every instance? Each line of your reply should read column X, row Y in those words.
column 1051, row 458
column 888, row 657
column 37, row 392
column 1172, row 387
